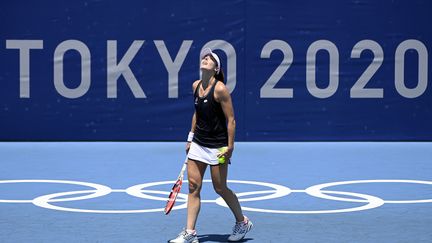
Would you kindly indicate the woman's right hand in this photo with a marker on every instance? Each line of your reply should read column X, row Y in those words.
column 188, row 144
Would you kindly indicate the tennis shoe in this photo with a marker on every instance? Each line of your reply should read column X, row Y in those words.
column 240, row 229
column 185, row 237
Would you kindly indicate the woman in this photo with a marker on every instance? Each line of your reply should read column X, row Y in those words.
column 211, row 142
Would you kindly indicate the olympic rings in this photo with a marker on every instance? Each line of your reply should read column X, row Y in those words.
column 316, row 190
column 137, row 191
column 277, row 191
column 43, row 202
column 101, row 190
column 373, row 202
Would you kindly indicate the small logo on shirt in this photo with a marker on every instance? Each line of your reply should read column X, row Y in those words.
column 205, row 101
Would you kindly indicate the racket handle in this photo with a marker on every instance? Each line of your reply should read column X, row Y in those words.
column 183, row 168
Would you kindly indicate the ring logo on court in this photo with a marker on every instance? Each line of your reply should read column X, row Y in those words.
column 276, row 191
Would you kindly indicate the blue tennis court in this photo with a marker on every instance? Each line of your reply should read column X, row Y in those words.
column 292, row 191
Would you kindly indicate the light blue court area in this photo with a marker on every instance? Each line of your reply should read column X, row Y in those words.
column 293, row 192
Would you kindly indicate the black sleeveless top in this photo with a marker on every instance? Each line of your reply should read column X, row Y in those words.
column 211, row 125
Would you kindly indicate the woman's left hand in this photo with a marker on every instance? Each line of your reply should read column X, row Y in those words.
column 227, row 154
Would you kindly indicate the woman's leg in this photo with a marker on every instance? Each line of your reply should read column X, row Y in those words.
column 196, row 171
column 219, row 177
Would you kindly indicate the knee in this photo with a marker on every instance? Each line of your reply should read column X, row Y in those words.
column 221, row 190
column 194, row 187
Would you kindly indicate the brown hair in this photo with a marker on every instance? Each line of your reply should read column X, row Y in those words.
column 218, row 76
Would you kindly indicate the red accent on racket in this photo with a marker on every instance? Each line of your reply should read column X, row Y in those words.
column 175, row 190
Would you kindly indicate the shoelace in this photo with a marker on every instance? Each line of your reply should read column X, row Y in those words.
column 238, row 228
column 185, row 235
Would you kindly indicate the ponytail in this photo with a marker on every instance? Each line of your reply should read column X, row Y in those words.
column 220, row 76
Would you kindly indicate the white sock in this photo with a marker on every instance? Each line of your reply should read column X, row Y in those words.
column 189, row 231
column 244, row 221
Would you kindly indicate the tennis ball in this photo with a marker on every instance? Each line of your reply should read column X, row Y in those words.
column 221, row 159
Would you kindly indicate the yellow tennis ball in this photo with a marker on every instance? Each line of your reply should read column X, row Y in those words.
column 221, row 159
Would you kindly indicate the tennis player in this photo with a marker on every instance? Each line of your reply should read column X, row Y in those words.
column 211, row 142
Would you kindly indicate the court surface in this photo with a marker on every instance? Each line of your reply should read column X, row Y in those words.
column 114, row 192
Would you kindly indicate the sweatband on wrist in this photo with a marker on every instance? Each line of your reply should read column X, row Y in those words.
column 190, row 136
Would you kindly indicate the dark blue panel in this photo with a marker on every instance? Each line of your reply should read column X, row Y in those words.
column 247, row 26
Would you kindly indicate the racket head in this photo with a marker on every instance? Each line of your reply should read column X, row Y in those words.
column 173, row 195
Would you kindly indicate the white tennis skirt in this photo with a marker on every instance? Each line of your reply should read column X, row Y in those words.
column 204, row 154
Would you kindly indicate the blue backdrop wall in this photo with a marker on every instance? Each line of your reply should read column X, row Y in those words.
column 297, row 70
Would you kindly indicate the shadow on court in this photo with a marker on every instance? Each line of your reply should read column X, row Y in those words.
column 218, row 238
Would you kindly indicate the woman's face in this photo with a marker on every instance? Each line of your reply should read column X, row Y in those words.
column 207, row 63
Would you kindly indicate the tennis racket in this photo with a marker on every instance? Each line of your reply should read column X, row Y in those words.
column 175, row 189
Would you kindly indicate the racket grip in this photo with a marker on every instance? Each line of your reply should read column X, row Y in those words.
column 183, row 167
